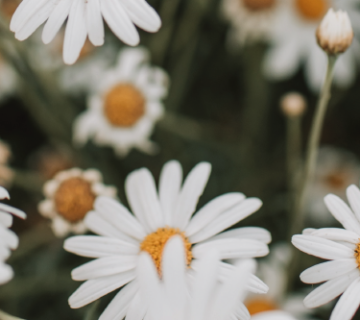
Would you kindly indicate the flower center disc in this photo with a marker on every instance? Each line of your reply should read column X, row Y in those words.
column 74, row 199
column 336, row 180
column 124, row 105
column 312, row 9
column 258, row 5
column 154, row 244
column 260, row 305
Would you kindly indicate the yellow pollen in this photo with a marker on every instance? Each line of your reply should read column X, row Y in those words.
column 124, row 105
column 74, row 199
column 258, row 5
column 357, row 254
column 154, row 244
column 312, row 9
column 258, row 305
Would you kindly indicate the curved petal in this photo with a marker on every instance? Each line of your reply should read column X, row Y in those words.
column 254, row 233
column 94, row 22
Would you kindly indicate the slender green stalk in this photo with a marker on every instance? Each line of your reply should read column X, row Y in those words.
column 91, row 313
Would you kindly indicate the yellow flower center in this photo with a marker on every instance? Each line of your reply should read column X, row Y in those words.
column 258, row 5
column 258, row 305
column 74, row 199
column 336, row 180
column 154, row 244
column 357, row 254
column 312, row 9
column 124, row 105
column 8, row 7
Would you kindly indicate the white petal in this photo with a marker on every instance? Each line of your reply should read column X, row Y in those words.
column 103, row 267
column 330, row 290
column 94, row 22
column 16, row 212
column 328, row 270
column 96, row 247
column 337, row 234
column 24, row 11
column 92, row 290
column 253, row 233
column 9, row 237
column 232, row 248
column 4, row 252
column 4, row 194
column 191, row 191
column 169, row 188
column 6, row 273
column 322, row 248
column 342, row 213
column 273, row 315
column 56, row 20
column 75, row 32
column 227, row 219
column 116, row 214
column 119, row 21
column 143, row 15
column 137, row 309
column 353, row 195
column 118, row 307
column 6, row 219
column 348, row 303
column 212, row 210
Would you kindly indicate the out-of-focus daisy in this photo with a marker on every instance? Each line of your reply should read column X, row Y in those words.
column 157, row 217
column 251, row 20
column 8, row 239
column 70, row 195
column 85, row 19
column 294, row 43
column 273, row 315
column 171, row 298
column 335, row 170
column 125, row 106
column 342, row 247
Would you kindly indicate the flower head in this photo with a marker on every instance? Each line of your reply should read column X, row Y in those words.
column 293, row 104
column 335, row 33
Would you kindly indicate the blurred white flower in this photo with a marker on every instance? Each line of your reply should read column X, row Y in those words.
column 8, row 239
column 341, row 275
column 70, row 195
column 125, row 106
column 171, row 298
column 158, row 217
column 294, row 43
column 335, row 170
column 250, row 20
column 84, row 19
column 273, row 315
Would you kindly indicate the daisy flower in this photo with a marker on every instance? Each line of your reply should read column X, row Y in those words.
column 125, row 106
column 8, row 239
column 250, row 19
column 84, row 20
column 171, row 298
column 273, row 315
column 341, row 274
column 336, row 169
column 294, row 43
column 70, row 195
column 157, row 217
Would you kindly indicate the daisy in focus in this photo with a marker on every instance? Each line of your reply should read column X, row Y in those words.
column 70, row 195
column 171, row 298
column 250, row 20
column 294, row 43
column 158, row 216
column 341, row 274
column 84, row 19
column 125, row 106
column 8, row 239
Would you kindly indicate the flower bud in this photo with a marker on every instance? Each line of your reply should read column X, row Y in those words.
column 293, row 105
column 335, row 33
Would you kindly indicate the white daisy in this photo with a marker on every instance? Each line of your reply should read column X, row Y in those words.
column 70, row 195
column 342, row 246
column 126, row 104
column 336, row 169
column 250, row 19
column 273, row 315
column 85, row 18
column 157, row 217
column 8, row 239
column 294, row 43
column 171, row 298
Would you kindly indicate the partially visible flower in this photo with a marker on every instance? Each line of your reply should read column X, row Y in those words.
column 158, row 216
column 8, row 239
column 171, row 297
column 293, row 105
column 294, row 43
column 84, row 19
column 335, row 33
column 273, row 315
column 336, row 169
column 70, row 196
column 6, row 173
column 125, row 106
column 341, row 274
